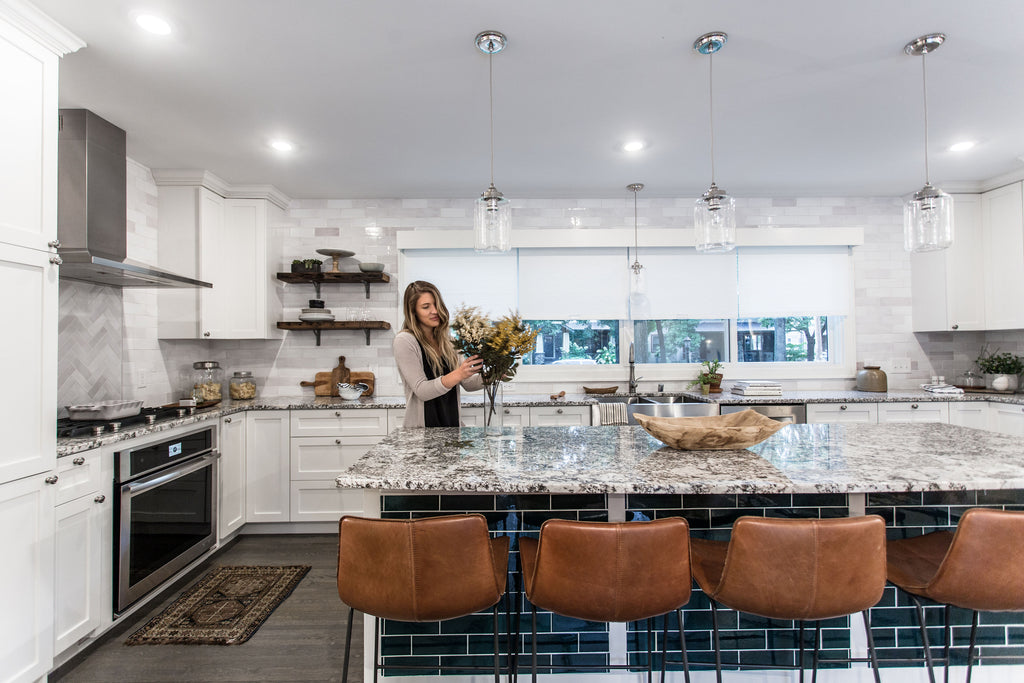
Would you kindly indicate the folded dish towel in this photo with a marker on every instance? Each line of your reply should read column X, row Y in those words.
column 612, row 413
column 942, row 389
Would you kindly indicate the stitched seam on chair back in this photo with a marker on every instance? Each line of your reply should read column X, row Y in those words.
column 816, row 567
column 415, row 587
column 618, row 569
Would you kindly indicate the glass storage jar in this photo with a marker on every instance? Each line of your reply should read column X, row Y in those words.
column 207, row 381
column 242, row 386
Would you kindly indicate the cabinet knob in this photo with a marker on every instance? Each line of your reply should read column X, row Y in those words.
column 52, row 479
column 99, row 499
column 559, row 411
column 227, row 419
column 78, row 461
column 913, row 406
column 337, row 441
column 56, row 260
column 506, row 411
column 842, row 407
column 53, row 244
column 206, row 334
column 956, row 327
column 337, row 413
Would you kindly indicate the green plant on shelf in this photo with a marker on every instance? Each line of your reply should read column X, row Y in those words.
column 996, row 363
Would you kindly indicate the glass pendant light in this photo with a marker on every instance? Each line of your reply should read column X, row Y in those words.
column 639, row 304
column 928, row 214
column 491, row 225
column 714, row 214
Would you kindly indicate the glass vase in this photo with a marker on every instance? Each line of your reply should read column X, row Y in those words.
column 493, row 409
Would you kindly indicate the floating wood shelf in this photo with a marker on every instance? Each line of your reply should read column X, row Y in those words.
column 316, row 279
column 316, row 328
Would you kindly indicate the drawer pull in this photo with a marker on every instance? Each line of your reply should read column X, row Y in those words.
column 56, row 260
column 842, row 407
column 913, row 406
column 78, row 461
column 507, row 411
column 559, row 411
column 52, row 479
column 337, row 413
column 227, row 419
column 337, row 441
column 99, row 499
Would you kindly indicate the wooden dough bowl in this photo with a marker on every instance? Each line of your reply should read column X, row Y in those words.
column 734, row 431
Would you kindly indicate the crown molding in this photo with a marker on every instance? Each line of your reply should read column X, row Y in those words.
column 44, row 30
column 188, row 177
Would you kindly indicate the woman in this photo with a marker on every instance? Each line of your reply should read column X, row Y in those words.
column 431, row 369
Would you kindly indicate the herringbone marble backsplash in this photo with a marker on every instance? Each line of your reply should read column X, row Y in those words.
column 89, row 344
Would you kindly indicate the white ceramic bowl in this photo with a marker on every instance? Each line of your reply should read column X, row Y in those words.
column 351, row 392
column 371, row 267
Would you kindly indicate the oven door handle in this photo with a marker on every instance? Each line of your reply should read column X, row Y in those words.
column 142, row 485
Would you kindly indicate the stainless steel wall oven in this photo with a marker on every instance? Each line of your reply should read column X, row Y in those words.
column 166, row 515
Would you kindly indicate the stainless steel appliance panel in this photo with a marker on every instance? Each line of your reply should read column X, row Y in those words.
column 790, row 413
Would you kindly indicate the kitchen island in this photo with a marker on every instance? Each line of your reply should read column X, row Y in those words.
column 918, row 477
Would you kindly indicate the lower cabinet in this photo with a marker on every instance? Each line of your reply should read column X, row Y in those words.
column 559, row 416
column 843, row 412
column 1006, row 418
column 266, row 466
column 913, row 412
column 26, row 577
column 231, row 475
column 83, row 547
column 324, row 443
column 970, row 414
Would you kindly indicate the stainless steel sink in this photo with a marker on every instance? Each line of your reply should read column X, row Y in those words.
column 658, row 406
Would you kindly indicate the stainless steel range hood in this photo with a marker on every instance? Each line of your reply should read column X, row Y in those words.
column 92, row 215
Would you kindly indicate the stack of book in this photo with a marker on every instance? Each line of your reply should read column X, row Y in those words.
column 757, row 388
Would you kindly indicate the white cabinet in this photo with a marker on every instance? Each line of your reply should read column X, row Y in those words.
column 396, row 416
column 84, row 546
column 1006, row 418
column 969, row 414
column 26, row 578
column 228, row 243
column 515, row 416
column 843, row 412
column 266, row 466
column 28, row 361
column 324, row 443
column 559, row 416
column 926, row 411
column 231, row 497
column 1003, row 219
column 947, row 286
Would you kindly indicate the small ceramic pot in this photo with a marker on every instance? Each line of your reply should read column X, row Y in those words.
column 999, row 382
column 351, row 392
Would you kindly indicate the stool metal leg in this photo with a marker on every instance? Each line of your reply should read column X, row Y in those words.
column 682, row 645
column 348, row 644
column 497, row 676
column 718, row 644
column 871, row 646
column 376, row 648
column 970, row 648
column 924, row 638
column 533, row 654
column 800, row 650
column 948, row 633
column 650, row 653
column 817, row 651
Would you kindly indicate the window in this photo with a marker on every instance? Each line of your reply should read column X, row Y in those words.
column 681, row 341
column 575, row 342
column 791, row 339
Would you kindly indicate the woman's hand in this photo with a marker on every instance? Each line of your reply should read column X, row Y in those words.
column 467, row 368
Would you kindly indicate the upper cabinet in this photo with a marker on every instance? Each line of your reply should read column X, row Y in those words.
column 1002, row 213
column 948, row 288
column 228, row 242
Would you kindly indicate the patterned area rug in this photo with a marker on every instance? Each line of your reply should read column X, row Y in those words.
column 225, row 607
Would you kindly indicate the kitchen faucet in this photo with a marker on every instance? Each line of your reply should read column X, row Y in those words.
column 632, row 371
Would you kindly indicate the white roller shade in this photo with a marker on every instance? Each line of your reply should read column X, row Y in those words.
column 683, row 284
column 464, row 277
column 788, row 281
column 573, row 284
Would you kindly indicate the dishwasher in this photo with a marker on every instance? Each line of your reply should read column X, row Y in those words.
column 795, row 413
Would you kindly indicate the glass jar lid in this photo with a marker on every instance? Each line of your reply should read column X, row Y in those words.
column 243, row 373
column 205, row 365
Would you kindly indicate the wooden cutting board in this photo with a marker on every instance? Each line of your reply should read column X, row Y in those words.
column 364, row 377
column 322, row 385
column 339, row 374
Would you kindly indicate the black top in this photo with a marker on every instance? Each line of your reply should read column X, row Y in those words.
column 442, row 411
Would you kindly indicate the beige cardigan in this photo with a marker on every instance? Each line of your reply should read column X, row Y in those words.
column 419, row 389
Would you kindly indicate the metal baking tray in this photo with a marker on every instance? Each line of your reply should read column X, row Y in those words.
column 104, row 410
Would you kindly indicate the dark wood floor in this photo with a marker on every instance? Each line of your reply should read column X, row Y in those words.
column 303, row 640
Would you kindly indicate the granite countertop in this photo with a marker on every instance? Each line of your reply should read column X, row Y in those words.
column 68, row 446
column 806, row 458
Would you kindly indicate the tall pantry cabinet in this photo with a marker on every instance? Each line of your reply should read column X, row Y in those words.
column 30, row 47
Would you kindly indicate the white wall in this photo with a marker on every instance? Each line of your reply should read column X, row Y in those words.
column 155, row 370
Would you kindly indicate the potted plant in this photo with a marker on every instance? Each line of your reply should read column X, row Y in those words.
column 709, row 378
column 308, row 265
column 1002, row 370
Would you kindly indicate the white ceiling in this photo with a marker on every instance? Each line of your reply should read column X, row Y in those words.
column 388, row 98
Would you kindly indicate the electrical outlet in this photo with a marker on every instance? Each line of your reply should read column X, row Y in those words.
column 142, row 379
column 897, row 365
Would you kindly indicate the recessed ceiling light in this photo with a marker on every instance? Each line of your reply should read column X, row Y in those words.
column 961, row 146
column 282, row 145
column 634, row 146
column 153, row 24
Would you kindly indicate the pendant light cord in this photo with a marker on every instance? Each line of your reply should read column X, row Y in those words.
column 711, row 107
column 636, row 247
column 924, row 89
column 490, row 96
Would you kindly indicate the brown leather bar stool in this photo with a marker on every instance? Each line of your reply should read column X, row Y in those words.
column 980, row 567
column 430, row 569
column 609, row 571
column 798, row 569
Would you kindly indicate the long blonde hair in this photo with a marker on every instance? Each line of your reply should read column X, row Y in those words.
column 440, row 350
